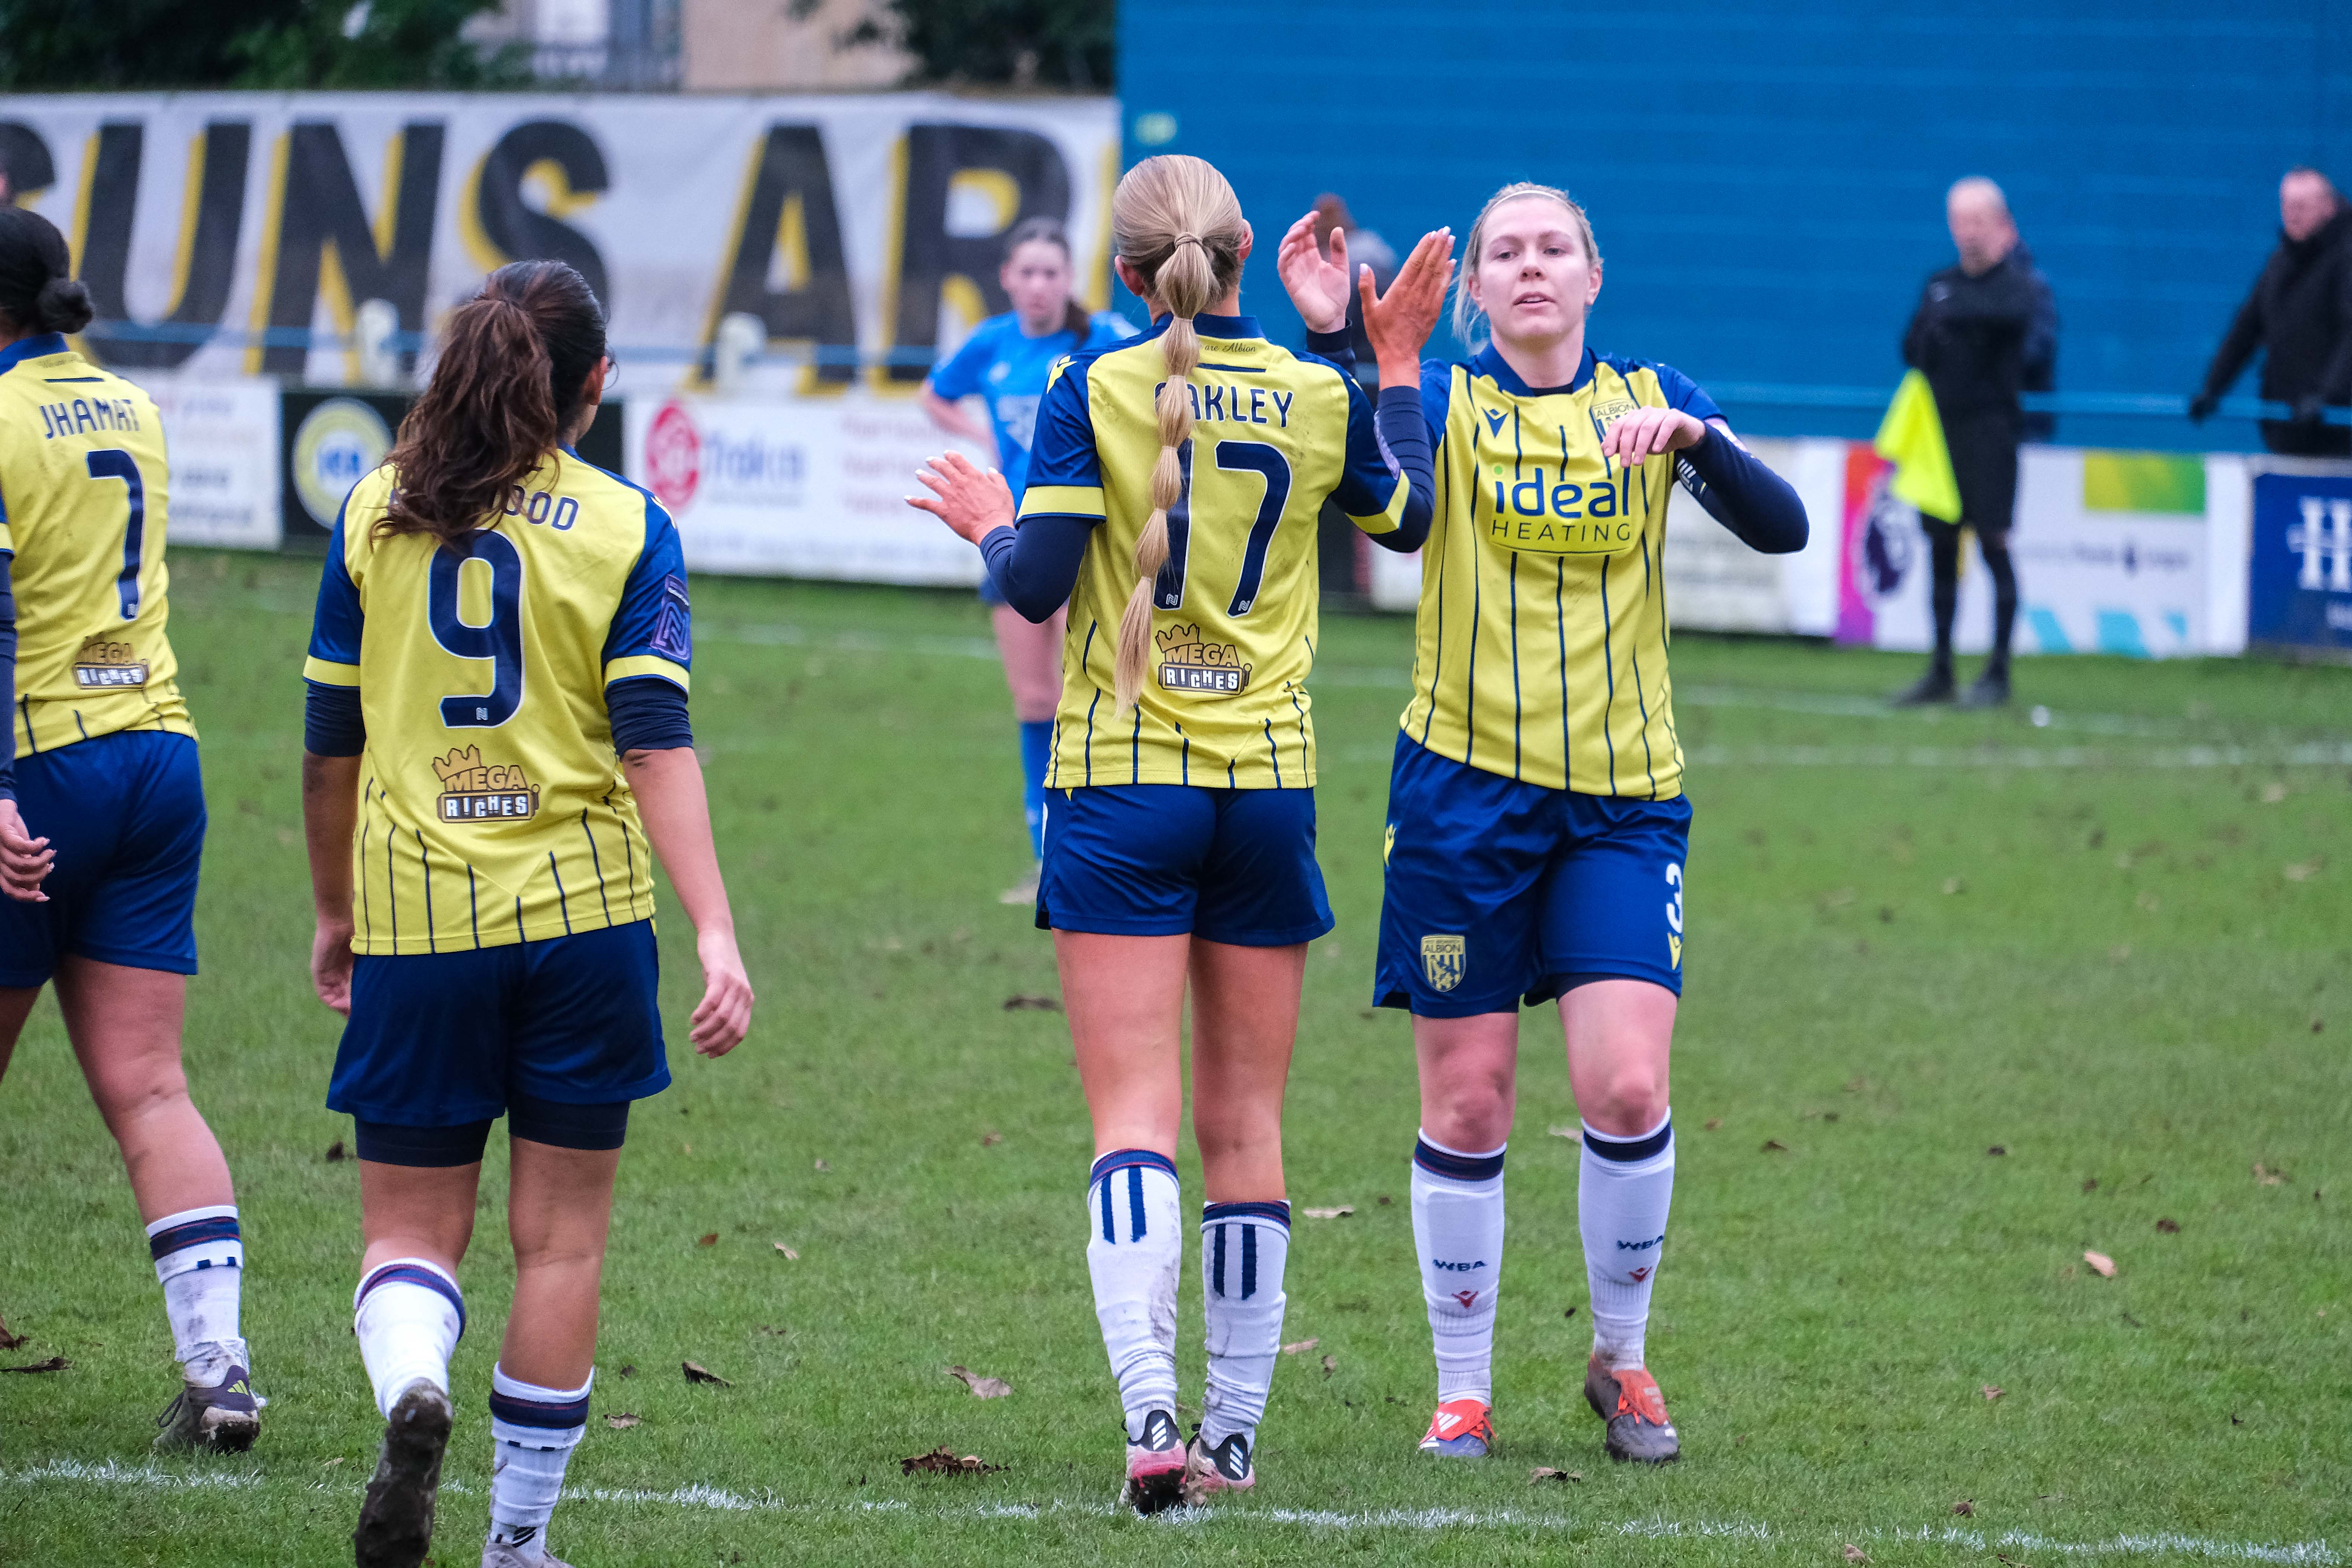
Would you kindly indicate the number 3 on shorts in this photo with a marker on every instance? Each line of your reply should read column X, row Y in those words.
column 497, row 639
column 1675, row 912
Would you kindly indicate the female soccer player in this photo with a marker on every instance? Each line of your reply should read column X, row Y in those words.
column 103, row 899
column 497, row 730
column 1174, row 485
column 1537, row 822
column 1005, row 361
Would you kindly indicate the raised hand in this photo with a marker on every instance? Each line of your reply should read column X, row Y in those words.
column 1317, row 287
column 1647, row 432
column 969, row 499
column 1399, row 322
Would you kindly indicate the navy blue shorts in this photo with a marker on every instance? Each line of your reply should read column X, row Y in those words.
column 1501, row 892
column 125, row 814
column 1233, row 866
column 441, row 1039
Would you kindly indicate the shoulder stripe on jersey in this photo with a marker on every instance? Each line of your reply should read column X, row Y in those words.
column 327, row 673
column 1390, row 518
column 424, row 861
column 1063, row 500
column 645, row 663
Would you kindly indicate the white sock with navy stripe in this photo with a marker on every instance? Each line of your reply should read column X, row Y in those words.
column 200, row 1261
column 1625, row 1186
column 409, row 1316
column 532, row 1433
column 1457, row 1229
column 1242, row 1249
column 1135, row 1243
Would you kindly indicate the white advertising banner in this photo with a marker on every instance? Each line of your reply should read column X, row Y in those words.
column 222, row 437
column 2115, row 553
column 217, row 230
column 811, row 487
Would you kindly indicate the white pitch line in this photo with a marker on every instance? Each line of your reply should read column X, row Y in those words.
column 700, row 1495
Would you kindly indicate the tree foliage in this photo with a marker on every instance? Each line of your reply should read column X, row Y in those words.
column 278, row 44
column 1017, row 43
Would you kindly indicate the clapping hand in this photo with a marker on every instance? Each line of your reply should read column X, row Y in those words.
column 969, row 499
column 1400, row 321
column 1316, row 285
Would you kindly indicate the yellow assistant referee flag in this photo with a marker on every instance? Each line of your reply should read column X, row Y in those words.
column 1911, row 437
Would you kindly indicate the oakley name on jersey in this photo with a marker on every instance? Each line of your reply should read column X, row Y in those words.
column 1233, row 621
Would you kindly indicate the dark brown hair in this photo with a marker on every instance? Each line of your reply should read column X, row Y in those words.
column 513, row 371
column 38, row 292
column 1075, row 320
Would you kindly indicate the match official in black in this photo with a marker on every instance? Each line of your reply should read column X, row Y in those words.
column 1969, row 337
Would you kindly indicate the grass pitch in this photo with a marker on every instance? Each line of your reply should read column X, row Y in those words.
column 1968, row 997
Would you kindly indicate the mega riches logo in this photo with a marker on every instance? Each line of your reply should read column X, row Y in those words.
column 475, row 790
column 1188, row 663
column 103, row 666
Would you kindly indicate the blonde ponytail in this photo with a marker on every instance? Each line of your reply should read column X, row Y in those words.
column 1177, row 222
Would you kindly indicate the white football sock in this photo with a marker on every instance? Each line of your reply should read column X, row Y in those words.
column 532, row 1433
column 1458, row 1230
column 409, row 1316
column 1134, row 1245
column 1624, row 1188
column 200, row 1261
column 1242, row 1249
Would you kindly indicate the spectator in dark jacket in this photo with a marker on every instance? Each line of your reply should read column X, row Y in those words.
column 2300, row 316
column 1969, row 337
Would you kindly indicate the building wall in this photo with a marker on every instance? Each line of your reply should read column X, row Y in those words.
column 1767, row 180
column 750, row 46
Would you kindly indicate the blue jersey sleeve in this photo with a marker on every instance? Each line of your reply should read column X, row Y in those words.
column 653, row 629
column 962, row 373
column 1386, row 486
column 7, row 674
column 336, row 623
column 1680, row 392
column 1065, row 470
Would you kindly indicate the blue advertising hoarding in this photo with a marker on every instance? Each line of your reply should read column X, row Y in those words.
column 2299, row 592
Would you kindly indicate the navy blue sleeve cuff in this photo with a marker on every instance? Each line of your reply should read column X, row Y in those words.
column 331, row 722
column 1739, row 492
column 649, row 714
column 1404, row 432
column 1338, row 347
column 1035, row 565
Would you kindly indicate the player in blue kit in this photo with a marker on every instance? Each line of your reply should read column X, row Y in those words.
column 1536, row 824
column 1006, row 363
column 496, row 746
column 102, row 811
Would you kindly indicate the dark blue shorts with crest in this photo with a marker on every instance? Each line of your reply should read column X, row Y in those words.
column 1501, row 892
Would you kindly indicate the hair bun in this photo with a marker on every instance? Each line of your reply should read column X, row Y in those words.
column 63, row 305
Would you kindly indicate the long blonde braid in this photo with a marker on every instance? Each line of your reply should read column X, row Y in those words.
column 1177, row 222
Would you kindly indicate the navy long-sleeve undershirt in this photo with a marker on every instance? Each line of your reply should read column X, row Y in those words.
column 649, row 714
column 1034, row 564
column 7, row 681
column 1739, row 492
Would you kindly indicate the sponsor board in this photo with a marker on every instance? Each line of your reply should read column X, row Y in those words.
column 799, row 486
column 216, row 228
column 2299, row 573
column 2114, row 554
column 222, row 437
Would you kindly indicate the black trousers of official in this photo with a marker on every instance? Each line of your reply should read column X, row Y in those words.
column 1984, row 464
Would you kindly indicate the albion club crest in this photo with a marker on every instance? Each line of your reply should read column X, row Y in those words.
column 1442, row 958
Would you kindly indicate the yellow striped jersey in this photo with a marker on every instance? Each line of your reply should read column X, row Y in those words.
column 84, row 490
column 493, row 806
column 1540, row 651
column 1234, row 611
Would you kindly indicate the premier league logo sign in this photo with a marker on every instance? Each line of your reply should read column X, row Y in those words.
column 1443, row 958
